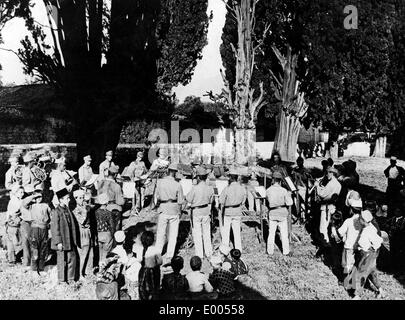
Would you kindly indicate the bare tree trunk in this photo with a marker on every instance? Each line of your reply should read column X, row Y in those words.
column 240, row 98
column 292, row 106
column 380, row 147
column 287, row 137
column 245, row 146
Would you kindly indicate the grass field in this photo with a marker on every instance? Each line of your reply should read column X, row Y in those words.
column 300, row 277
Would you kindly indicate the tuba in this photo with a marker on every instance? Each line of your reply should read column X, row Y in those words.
column 39, row 174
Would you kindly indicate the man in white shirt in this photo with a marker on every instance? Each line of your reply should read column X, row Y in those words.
column 349, row 231
column 105, row 165
column 85, row 171
column 198, row 283
column 369, row 243
column 280, row 203
column 11, row 178
column 328, row 195
column 162, row 162
column 58, row 180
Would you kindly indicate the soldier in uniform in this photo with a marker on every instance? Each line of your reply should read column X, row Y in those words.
column 29, row 182
column 59, row 180
column 280, row 203
column 162, row 162
column 200, row 198
column 169, row 196
column 116, row 198
column 85, row 171
column 105, row 165
column 231, row 200
column 11, row 178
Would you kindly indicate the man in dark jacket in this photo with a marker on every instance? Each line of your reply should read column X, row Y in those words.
column 395, row 175
column 65, row 238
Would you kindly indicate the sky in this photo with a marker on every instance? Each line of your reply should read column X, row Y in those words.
column 206, row 75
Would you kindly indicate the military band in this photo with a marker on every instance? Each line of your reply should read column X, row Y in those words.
column 199, row 200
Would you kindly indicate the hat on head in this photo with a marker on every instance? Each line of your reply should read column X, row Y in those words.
column 88, row 157
column 173, row 167
column 29, row 188
column 103, row 199
column 224, row 249
column 355, row 203
column 233, row 171
column 216, row 261
column 235, row 253
column 393, row 158
column 45, row 158
column 277, row 175
column 332, row 169
column 109, row 153
column 39, row 188
column 78, row 193
column 200, row 171
column 13, row 159
column 61, row 193
column 366, row 215
column 113, row 169
column 28, row 158
column 60, row 160
column 15, row 188
column 119, row 236
column 104, row 291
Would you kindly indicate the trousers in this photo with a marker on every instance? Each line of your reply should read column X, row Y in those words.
column 67, row 265
column 13, row 242
column 283, row 226
column 105, row 244
column 167, row 221
column 202, row 235
column 234, row 222
column 39, row 249
column 326, row 211
column 25, row 242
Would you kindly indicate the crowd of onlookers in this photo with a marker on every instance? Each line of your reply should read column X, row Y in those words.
column 143, row 266
column 82, row 225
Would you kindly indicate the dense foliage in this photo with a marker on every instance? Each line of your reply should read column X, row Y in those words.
column 352, row 78
column 112, row 63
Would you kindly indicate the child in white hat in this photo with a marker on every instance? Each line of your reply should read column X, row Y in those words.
column 119, row 237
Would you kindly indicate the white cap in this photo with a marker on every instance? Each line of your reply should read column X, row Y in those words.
column 394, row 158
column 224, row 249
column 13, row 159
column 78, row 193
column 355, row 203
column 366, row 215
column 60, row 160
column 119, row 236
column 28, row 158
column 216, row 260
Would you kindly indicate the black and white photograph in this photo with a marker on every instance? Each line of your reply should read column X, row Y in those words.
column 221, row 151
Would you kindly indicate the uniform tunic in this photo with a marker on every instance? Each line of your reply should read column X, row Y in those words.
column 85, row 173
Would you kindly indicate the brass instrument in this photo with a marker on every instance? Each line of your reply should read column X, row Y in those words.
column 314, row 189
column 39, row 174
